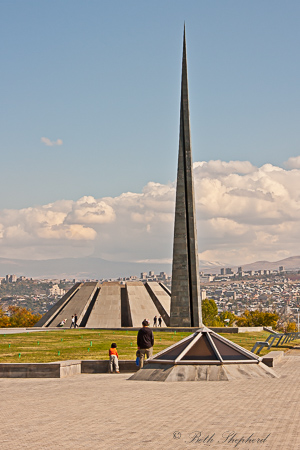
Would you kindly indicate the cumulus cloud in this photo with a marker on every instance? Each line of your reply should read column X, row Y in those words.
column 87, row 210
column 43, row 231
column 293, row 163
column 50, row 143
column 244, row 213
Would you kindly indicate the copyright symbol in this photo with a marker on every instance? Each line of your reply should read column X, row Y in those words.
column 176, row 435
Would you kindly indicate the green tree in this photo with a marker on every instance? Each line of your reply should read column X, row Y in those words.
column 209, row 313
column 231, row 318
column 257, row 319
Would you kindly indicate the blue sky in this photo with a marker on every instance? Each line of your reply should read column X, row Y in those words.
column 104, row 79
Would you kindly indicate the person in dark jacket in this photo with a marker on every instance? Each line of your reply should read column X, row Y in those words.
column 145, row 342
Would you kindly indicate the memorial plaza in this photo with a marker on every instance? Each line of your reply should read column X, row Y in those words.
column 99, row 411
column 110, row 411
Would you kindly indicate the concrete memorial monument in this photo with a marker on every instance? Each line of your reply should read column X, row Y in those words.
column 110, row 305
column 185, row 296
column 204, row 355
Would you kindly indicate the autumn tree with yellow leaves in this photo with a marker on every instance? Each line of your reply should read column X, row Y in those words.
column 18, row 317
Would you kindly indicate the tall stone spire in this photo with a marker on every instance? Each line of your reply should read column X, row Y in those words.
column 185, row 297
column 204, row 355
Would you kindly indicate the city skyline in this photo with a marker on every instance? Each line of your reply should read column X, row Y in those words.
column 90, row 128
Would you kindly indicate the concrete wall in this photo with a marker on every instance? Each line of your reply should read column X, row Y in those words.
column 140, row 303
column 38, row 370
column 94, row 366
column 77, row 305
column 161, row 299
column 106, row 312
column 54, row 311
column 61, row 369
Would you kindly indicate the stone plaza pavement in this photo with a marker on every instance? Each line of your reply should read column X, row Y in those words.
column 110, row 412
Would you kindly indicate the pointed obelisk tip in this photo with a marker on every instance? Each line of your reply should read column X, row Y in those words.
column 184, row 40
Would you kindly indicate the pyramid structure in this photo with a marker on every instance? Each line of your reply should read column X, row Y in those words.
column 203, row 356
column 110, row 305
column 205, row 346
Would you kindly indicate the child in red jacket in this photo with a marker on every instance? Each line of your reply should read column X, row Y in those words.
column 113, row 358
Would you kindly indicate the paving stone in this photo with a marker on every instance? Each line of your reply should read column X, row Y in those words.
column 101, row 411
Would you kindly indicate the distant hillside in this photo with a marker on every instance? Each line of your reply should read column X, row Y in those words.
column 97, row 268
column 79, row 268
column 291, row 263
column 288, row 263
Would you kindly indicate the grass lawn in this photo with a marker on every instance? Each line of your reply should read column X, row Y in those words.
column 49, row 346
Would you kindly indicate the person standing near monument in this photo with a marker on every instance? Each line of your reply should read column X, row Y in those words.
column 159, row 321
column 145, row 342
column 113, row 358
column 75, row 321
column 155, row 321
column 72, row 322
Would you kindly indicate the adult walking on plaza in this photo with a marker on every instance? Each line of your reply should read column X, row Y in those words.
column 145, row 342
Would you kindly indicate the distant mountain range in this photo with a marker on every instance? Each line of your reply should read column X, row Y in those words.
column 79, row 268
column 291, row 263
column 97, row 268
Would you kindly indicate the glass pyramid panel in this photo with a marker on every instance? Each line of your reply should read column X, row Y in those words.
column 173, row 353
column 201, row 351
column 228, row 353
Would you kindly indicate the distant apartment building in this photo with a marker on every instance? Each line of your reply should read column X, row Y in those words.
column 231, row 294
column 163, row 275
column 10, row 278
column 143, row 275
column 203, row 294
column 56, row 291
column 206, row 278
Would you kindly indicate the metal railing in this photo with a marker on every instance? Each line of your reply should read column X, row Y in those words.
column 281, row 338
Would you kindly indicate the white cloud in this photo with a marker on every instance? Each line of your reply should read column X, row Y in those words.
column 293, row 163
column 50, row 143
column 87, row 210
column 244, row 213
